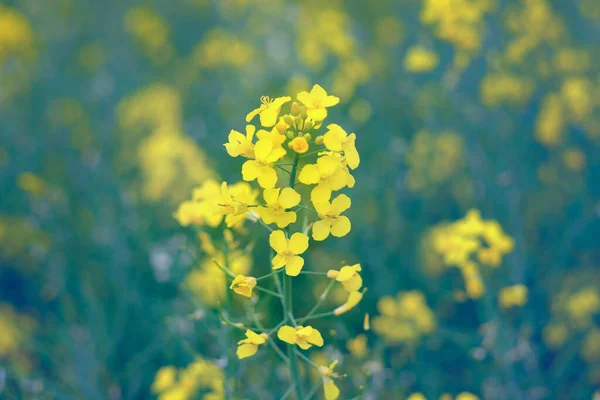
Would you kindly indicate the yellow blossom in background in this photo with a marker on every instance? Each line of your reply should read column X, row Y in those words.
column 201, row 375
column 403, row 319
column 513, row 296
column 164, row 379
column 268, row 110
column 261, row 168
column 249, row 346
column 304, row 336
column 243, row 285
column 348, row 276
column 331, row 391
column 150, row 31
column 278, row 201
column 31, row 183
column 466, row 396
column 420, row 59
column 337, row 140
column 240, row 145
column 358, row 346
column 316, row 102
column 331, row 220
column 416, row 396
column 328, row 174
column 288, row 250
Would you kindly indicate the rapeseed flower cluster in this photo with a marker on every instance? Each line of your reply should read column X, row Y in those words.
column 171, row 383
column 298, row 163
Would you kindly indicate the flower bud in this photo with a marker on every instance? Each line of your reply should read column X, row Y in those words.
column 298, row 120
column 303, row 113
column 332, row 274
column 295, row 109
column 319, row 139
column 281, row 127
column 288, row 119
column 299, row 145
column 307, row 136
column 290, row 134
column 308, row 124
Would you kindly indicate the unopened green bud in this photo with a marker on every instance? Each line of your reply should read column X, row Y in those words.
column 298, row 120
column 303, row 113
column 288, row 119
column 319, row 139
column 307, row 136
column 290, row 134
column 281, row 127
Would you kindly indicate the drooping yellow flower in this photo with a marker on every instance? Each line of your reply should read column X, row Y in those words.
column 240, row 145
column 513, row 296
column 316, row 102
column 331, row 390
column 336, row 139
column 304, row 336
column 268, row 110
column 261, row 168
column 353, row 299
column 331, row 220
column 288, row 250
column 277, row 203
column 249, row 346
column 348, row 276
column 299, row 144
column 243, row 285
column 328, row 174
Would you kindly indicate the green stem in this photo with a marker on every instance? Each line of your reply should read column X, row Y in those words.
column 319, row 302
column 291, row 353
column 229, row 372
column 269, row 274
column 315, row 316
column 260, row 289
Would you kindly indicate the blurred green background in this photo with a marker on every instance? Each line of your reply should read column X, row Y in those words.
column 112, row 111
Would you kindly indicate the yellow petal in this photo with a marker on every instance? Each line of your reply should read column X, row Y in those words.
column 305, row 98
column 278, row 241
column 298, row 243
column 331, row 390
column 287, row 334
column 294, row 265
column 252, row 114
column 285, row 218
column 246, row 350
column 243, row 291
column 345, row 274
column 289, row 198
column 340, row 179
column 269, row 116
column 340, row 204
column 267, row 177
column 317, row 114
column 320, row 230
column 328, row 165
column 271, row 195
column 321, row 193
column 331, row 101
column 322, row 208
column 316, row 338
column 275, row 154
column 353, row 284
column 279, row 261
column 250, row 170
column 303, row 344
column 333, row 137
column 309, row 175
column 266, row 214
column 262, row 149
column 341, row 227
column 254, row 337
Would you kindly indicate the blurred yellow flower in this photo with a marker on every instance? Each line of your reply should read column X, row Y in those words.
column 288, row 250
column 513, row 296
column 304, row 336
column 278, row 201
column 420, row 59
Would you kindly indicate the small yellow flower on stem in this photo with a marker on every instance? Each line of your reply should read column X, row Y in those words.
column 288, row 250
column 336, row 139
column 240, row 145
column 331, row 390
column 353, row 299
column 348, row 276
column 304, row 336
column 299, row 145
column 249, row 346
column 316, row 102
column 268, row 110
column 331, row 220
column 243, row 285
column 277, row 203
column 261, row 168
column 328, row 174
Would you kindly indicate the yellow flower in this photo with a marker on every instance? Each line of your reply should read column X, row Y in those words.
column 416, row 396
column 288, row 250
column 328, row 174
column 331, row 390
column 273, row 135
column 262, row 167
column 240, row 145
column 304, row 336
column 420, row 59
column 244, row 195
column 243, row 285
column 331, row 220
column 277, row 203
column 348, row 276
column 249, row 346
column 268, row 110
column 358, row 346
column 200, row 210
column 353, row 299
column 164, row 379
column 513, row 296
column 316, row 102
column 466, row 396
column 336, row 139
column 299, row 145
